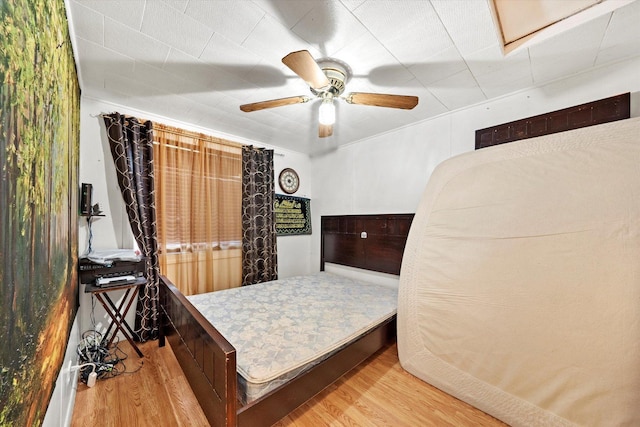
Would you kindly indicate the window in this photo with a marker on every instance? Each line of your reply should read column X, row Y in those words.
column 198, row 182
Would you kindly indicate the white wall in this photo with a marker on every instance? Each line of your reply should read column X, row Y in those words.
column 294, row 252
column 388, row 173
column 60, row 409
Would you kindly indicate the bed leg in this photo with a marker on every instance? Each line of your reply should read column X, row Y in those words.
column 161, row 322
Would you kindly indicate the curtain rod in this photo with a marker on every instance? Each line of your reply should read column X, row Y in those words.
column 181, row 132
column 224, row 141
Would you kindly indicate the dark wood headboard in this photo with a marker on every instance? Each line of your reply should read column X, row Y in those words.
column 583, row 115
column 371, row 242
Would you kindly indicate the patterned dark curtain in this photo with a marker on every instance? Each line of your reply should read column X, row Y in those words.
column 259, row 249
column 131, row 145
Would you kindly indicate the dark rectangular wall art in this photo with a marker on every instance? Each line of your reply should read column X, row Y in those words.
column 293, row 215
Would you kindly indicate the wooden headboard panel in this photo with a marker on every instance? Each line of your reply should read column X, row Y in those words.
column 583, row 115
column 371, row 242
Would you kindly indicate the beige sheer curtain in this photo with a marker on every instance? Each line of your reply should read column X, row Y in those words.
column 199, row 204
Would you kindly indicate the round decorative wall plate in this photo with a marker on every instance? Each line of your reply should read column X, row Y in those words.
column 289, row 180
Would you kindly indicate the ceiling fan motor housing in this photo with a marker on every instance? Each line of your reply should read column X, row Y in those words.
column 338, row 73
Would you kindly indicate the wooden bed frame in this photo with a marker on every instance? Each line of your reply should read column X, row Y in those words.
column 208, row 360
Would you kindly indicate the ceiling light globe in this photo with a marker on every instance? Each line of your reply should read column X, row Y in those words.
column 327, row 112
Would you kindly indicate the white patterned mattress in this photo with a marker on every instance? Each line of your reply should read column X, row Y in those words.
column 282, row 328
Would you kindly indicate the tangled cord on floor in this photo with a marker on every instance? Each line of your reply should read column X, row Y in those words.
column 105, row 362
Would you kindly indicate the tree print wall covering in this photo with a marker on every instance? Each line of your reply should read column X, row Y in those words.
column 39, row 146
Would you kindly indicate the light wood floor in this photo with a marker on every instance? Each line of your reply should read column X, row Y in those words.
column 156, row 395
column 377, row 393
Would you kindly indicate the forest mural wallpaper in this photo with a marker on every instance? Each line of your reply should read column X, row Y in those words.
column 39, row 148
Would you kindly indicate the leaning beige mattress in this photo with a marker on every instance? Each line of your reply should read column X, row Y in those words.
column 520, row 284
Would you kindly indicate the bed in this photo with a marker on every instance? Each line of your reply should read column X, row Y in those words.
column 250, row 385
column 520, row 285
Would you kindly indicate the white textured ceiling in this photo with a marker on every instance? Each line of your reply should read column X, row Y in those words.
column 197, row 61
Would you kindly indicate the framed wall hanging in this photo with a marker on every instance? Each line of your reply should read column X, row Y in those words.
column 293, row 215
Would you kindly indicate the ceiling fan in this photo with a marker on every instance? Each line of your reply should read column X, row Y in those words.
column 327, row 78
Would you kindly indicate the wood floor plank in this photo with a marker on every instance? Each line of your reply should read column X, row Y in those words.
column 377, row 393
column 384, row 394
column 156, row 394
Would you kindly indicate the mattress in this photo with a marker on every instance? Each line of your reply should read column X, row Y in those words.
column 282, row 328
column 520, row 286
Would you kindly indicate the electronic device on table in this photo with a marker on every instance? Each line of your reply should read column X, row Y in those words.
column 111, row 268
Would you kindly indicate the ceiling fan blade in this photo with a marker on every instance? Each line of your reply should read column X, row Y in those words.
column 247, row 108
column 325, row 130
column 383, row 100
column 302, row 63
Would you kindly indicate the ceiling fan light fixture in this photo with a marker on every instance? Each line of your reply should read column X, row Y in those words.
column 326, row 78
column 327, row 112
